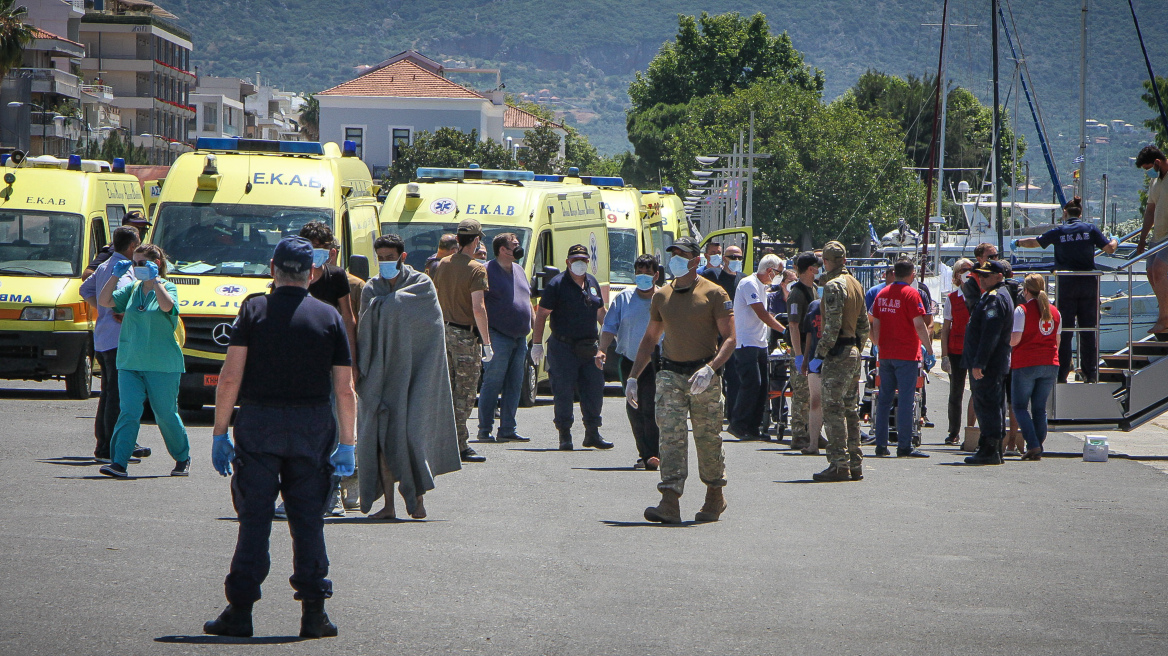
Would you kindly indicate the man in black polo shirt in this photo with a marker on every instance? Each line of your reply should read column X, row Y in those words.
column 1078, row 296
column 728, row 275
column 572, row 300
column 288, row 352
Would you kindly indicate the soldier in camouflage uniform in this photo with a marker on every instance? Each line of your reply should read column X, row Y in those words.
column 802, row 294
column 845, row 330
column 692, row 313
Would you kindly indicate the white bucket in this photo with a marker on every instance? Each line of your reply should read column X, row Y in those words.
column 1095, row 448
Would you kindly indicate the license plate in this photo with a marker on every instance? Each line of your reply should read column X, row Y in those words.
column 210, row 380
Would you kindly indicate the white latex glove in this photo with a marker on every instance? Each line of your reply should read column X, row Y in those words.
column 536, row 354
column 701, row 380
column 631, row 390
column 488, row 353
column 945, row 366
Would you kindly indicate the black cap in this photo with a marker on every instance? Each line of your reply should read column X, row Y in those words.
column 685, row 245
column 578, row 249
column 135, row 218
column 991, row 267
column 293, row 254
column 470, row 227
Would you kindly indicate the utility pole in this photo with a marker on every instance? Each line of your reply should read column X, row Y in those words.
column 1083, row 109
column 997, row 127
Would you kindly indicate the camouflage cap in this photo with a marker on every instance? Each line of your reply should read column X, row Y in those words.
column 834, row 251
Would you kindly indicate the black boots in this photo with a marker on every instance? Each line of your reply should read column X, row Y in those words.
column 592, row 438
column 314, row 622
column 989, row 452
column 234, row 622
column 565, row 439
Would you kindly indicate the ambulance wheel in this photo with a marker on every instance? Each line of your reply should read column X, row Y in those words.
column 527, row 394
column 79, row 384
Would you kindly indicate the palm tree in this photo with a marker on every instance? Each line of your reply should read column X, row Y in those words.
column 309, row 118
column 14, row 35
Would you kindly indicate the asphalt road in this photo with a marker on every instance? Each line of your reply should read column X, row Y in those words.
column 543, row 552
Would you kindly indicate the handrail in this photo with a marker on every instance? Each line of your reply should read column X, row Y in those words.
column 1151, row 251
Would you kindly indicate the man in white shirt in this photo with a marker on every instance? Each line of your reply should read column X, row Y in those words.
column 751, row 325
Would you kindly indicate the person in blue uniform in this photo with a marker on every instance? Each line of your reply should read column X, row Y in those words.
column 1078, row 296
column 986, row 353
column 288, row 353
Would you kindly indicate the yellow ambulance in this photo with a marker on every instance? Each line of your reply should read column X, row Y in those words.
column 55, row 215
column 222, row 210
column 634, row 229
column 547, row 216
column 673, row 217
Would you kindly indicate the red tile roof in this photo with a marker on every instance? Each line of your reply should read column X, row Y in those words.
column 401, row 79
column 38, row 33
column 521, row 118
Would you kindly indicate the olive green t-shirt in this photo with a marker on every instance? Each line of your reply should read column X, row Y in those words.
column 456, row 278
column 147, row 342
column 691, row 319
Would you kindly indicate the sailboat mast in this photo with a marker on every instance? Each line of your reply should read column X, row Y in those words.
column 997, row 155
column 933, row 142
column 1083, row 110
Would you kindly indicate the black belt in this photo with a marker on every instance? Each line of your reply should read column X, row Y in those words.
column 458, row 325
column 683, row 368
column 572, row 340
column 848, row 341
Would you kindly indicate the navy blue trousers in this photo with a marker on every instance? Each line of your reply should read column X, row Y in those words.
column 571, row 375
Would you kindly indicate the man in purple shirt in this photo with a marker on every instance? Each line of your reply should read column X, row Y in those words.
column 508, row 301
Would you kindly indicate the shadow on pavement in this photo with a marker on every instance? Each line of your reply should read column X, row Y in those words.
column 37, row 395
column 70, row 461
column 534, row 450
column 221, row 640
column 611, row 522
column 799, row 481
column 111, row 478
column 607, row 469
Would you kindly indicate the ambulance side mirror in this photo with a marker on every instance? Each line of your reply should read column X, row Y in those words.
column 359, row 266
column 540, row 279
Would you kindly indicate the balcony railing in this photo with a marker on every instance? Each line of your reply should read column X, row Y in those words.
column 100, row 90
column 49, row 80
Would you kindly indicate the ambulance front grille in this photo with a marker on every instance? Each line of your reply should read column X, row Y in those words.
column 201, row 333
column 183, row 281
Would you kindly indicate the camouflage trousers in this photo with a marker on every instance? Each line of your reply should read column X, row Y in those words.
column 841, row 413
column 800, row 404
column 675, row 404
column 464, row 359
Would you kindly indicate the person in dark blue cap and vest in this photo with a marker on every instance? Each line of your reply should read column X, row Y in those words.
column 288, row 353
column 986, row 353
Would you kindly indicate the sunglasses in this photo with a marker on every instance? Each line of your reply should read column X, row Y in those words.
column 733, row 257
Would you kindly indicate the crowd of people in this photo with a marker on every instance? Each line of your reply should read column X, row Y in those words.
column 387, row 371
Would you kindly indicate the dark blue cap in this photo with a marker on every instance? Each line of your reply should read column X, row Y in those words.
column 293, row 254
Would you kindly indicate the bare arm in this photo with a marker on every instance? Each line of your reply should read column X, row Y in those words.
column 600, row 314
column 350, row 324
column 945, row 328
column 1149, row 220
column 346, row 404
column 875, row 334
column 645, row 350
column 796, row 338
column 541, row 316
column 165, row 302
column 767, row 318
column 923, row 332
column 726, row 328
column 1029, row 242
column 1111, row 246
column 480, row 315
column 227, row 391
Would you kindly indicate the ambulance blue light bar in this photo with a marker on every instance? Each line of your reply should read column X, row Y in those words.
column 601, row 181
column 259, row 146
column 543, row 177
column 475, row 174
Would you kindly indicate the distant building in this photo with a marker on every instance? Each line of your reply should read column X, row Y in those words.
column 45, row 117
column 272, row 113
column 137, row 48
column 516, row 123
column 219, row 107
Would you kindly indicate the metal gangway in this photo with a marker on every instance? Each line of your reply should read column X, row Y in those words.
column 1133, row 382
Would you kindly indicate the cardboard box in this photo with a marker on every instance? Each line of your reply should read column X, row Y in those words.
column 1095, row 448
column 972, row 435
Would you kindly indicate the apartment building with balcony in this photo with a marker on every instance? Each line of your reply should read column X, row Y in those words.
column 40, row 101
column 219, row 106
column 272, row 113
column 137, row 49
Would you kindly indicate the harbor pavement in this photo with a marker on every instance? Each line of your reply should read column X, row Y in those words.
column 539, row 551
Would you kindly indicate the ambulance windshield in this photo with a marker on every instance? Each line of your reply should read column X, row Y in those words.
column 422, row 239
column 622, row 253
column 40, row 243
column 228, row 240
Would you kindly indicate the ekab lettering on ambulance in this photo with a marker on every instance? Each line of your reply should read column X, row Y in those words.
column 477, row 209
column 261, row 178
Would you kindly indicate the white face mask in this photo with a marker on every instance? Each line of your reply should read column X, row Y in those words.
column 678, row 266
column 964, row 277
column 579, row 267
column 715, row 260
column 736, row 266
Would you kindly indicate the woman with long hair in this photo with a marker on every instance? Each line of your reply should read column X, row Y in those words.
column 1034, row 362
column 150, row 359
column 956, row 318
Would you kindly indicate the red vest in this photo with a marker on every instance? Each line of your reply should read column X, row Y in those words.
column 960, row 321
column 1039, row 344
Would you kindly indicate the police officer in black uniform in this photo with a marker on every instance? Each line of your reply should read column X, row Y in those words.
column 1078, row 296
column 288, row 353
column 987, row 354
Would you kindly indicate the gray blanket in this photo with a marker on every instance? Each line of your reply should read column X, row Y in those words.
column 405, row 412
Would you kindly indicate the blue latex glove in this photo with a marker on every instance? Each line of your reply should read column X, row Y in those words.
column 153, row 269
column 815, row 365
column 1014, row 243
column 122, row 266
column 798, row 363
column 930, row 359
column 222, row 453
column 342, row 460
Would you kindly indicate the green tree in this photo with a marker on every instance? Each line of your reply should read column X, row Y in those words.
column 449, row 147
column 833, row 167
column 1156, row 125
column 14, row 35
column 711, row 56
column 310, row 118
column 542, row 148
column 579, row 152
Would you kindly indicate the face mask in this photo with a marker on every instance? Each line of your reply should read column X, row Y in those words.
column 319, row 257
column 388, row 270
column 143, row 273
column 715, row 260
column 644, row 282
column 964, row 277
column 736, row 266
column 702, row 261
column 1153, row 173
column 678, row 266
column 517, row 253
column 579, row 267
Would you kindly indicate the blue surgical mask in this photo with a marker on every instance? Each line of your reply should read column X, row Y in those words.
column 736, row 266
column 388, row 270
column 142, row 273
column 715, row 260
column 319, row 257
column 1153, row 173
column 644, row 282
column 678, row 266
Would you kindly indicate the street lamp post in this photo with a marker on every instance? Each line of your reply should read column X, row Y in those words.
column 17, row 103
